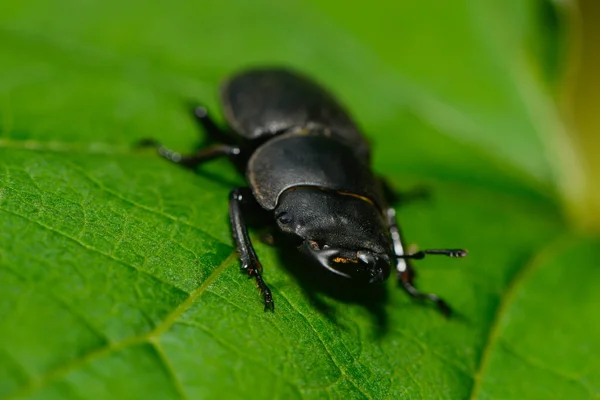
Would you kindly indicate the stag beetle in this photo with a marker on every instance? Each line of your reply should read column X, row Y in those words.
column 306, row 163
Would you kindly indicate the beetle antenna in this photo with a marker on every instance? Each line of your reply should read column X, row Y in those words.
column 444, row 252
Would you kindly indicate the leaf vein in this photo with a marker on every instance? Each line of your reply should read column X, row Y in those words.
column 540, row 365
column 235, row 350
column 168, row 367
column 41, row 381
column 339, row 365
column 553, row 246
column 434, row 353
column 143, row 207
column 90, row 248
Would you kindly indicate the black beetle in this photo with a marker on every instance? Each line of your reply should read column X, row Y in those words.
column 307, row 163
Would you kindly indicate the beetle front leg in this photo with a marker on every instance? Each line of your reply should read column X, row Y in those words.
column 250, row 262
column 440, row 252
column 405, row 271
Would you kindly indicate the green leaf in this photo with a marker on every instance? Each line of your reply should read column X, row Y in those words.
column 118, row 276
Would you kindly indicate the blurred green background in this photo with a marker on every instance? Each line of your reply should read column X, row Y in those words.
column 118, row 277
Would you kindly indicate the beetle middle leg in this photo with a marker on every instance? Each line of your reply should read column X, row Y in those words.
column 194, row 159
column 248, row 257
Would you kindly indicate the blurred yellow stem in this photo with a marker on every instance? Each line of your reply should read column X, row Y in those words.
column 582, row 108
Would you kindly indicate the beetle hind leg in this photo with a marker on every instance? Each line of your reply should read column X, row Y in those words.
column 417, row 193
column 192, row 160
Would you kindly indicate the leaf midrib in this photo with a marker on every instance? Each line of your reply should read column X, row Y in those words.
column 546, row 251
column 148, row 337
column 101, row 148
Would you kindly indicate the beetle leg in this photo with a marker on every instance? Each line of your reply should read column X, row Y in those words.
column 442, row 252
column 195, row 159
column 250, row 262
column 405, row 271
column 215, row 133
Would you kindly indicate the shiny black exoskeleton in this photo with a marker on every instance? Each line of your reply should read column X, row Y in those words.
column 307, row 163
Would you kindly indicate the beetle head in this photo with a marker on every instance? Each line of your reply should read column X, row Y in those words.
column 345, row 234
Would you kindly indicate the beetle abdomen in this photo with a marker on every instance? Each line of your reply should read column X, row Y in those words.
column 266, row 102
column 308, row 159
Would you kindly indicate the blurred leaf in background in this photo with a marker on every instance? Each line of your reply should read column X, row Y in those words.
column 117, row 273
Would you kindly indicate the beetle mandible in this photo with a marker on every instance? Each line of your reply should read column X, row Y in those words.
column 307, row 163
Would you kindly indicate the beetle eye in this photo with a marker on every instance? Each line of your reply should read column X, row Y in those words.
column 284, row 218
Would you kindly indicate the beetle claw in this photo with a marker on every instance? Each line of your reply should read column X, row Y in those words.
column 459, row 253
column 253, row 271
column 269, row 306
column 441, row 305
column 267, row 295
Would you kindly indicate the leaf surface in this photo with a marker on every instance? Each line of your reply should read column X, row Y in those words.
column 118, row 275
